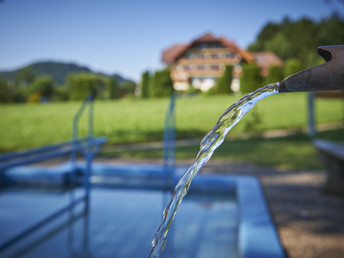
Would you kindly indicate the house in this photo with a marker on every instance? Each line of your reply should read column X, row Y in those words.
column 200, row 62
column 266, row 59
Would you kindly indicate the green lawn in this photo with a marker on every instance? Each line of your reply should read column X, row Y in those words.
column 291, row 152
column 134, row 120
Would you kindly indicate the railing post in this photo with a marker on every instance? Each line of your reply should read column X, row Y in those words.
column 87, row 175
column 311, row 119
column 90, row 119
column 169, row 141
column 88, row 154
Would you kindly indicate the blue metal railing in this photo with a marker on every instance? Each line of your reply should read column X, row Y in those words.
column 88, row 153
column 88, row 147
column 88, row 101
column 169, row 145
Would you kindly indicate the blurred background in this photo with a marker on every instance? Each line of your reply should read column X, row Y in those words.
column 134, row 55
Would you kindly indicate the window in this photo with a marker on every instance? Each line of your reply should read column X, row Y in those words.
column 216, row 45
column 215, row 56
column 230, row 55
column 200, row 67
column 189, row 56
column 202, row 45
column 214, row 67
column 186, row 68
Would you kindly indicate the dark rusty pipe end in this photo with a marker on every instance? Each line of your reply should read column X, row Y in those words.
column 327, row 76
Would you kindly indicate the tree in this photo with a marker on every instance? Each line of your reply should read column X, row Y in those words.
column 5, row 92
column 330, row 31
column 292, row 66
column 161, row 84
column 43, row 85
column 251, row 79
column 275, row 74
column 25, row 76
column 223, row 85
column 127, row 89
column 300, row 39
column 145, row 85
column 61, row 93
column 113, row 88
column 82, row 84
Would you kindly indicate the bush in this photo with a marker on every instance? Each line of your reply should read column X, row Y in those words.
column 34, row 97
column 127, row 89
column 145, row 85
column 6, row 94
column 251, row 79
column 113, row 88
column 275, row 75
column 223, row 85
column 161, row 85
column 292, row 66
column 82, row 84
column 61, row 93
column 20, row 94
column 43, row 86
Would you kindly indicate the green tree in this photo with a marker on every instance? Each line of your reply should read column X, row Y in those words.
column 251, row 79
column 42, row 85
column 292, row 66
column 113, row 88
column 161, row 84
column 330, row 31
column 82, row 84
column 300, row 39
column 275, row 74
column 145, row 85
column 5, row 92
column 61, row 93
column 25, row 76
column 223, row 85
column 127, row 89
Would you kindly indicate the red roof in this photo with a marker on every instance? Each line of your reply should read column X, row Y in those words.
column 171, row 54
column 266, row 59
column 206, row 38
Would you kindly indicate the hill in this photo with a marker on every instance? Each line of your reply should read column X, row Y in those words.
column 57, row 70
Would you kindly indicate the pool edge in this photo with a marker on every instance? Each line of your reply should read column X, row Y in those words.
column 258, row 236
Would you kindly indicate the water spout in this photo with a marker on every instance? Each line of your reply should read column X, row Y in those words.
column 327, row 76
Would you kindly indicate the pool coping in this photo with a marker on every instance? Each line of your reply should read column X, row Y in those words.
column 258, row 236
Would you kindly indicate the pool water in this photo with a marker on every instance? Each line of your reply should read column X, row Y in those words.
column 121, row 223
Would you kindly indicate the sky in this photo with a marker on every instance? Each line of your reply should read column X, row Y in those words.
column 128, row 36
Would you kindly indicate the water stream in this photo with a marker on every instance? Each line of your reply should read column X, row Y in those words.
column 210, row 142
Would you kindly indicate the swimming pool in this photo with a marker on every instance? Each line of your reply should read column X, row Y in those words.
column 222, row 216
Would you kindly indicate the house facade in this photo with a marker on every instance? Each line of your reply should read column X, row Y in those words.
column 199, row 63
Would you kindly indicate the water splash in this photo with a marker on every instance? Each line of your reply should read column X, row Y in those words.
column 210, row 142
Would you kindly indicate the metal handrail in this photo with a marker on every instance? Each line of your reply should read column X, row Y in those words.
column 89, row 101
column 88, row 146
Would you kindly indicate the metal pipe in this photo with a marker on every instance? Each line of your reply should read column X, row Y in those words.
column 327, row 76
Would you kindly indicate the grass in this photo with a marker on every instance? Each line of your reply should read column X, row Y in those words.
column 24, row 126
column 291, row 152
